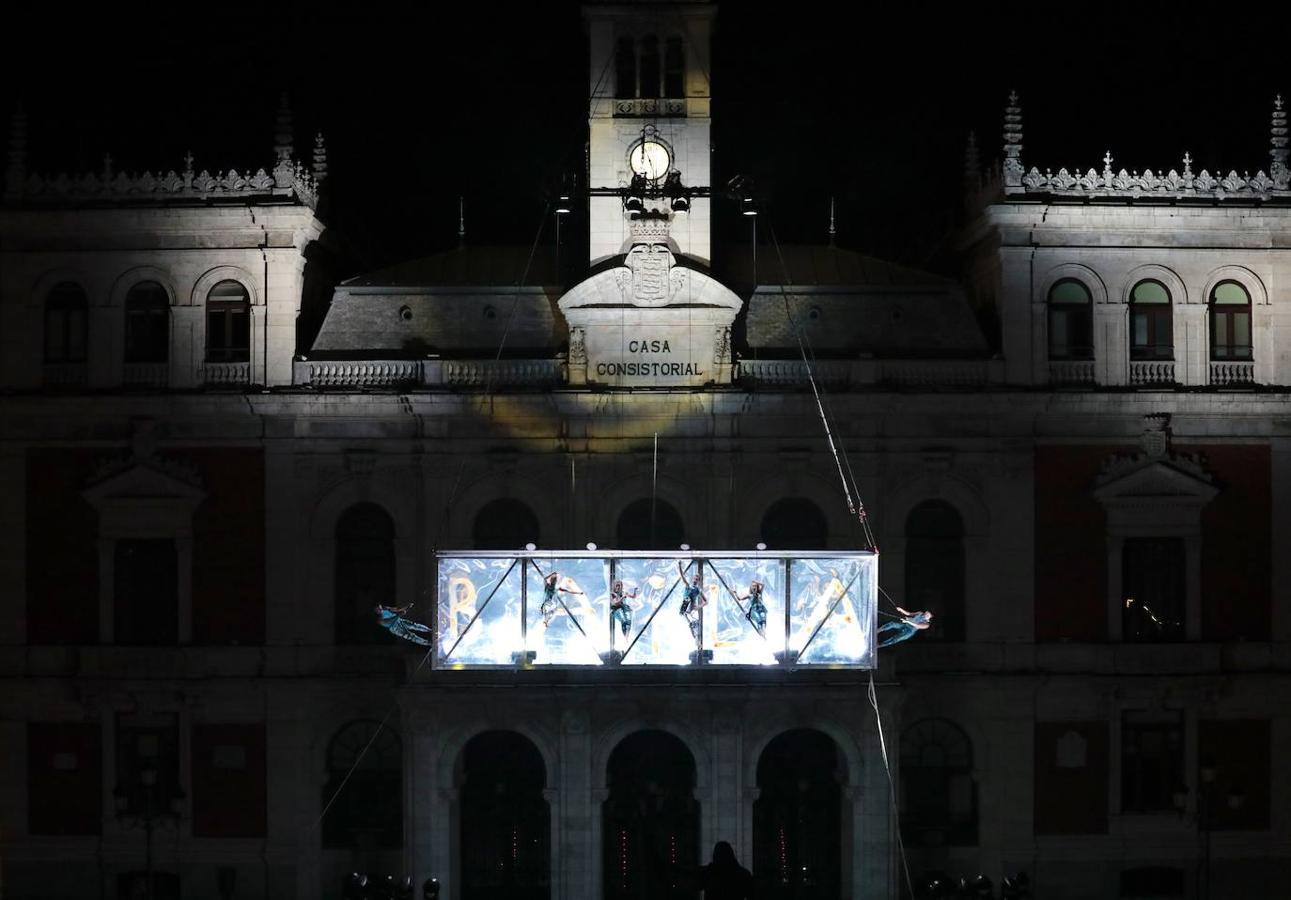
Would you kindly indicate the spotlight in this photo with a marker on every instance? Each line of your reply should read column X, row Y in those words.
column 761, row 546
column 531, row 546
column 681, row 204
column 430, row 889
column 685, row 546
column 591, row 546
column 747, row 208
column 634, row 204
column 563, row 205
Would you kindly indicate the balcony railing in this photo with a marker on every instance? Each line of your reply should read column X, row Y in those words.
column 594, row 608
column 1151, row 372
column 226, row 374
column 1230, row 373
column 1071, row 371
column 61, row 375
column 430, row 373
column 649, row 106
column 146, row 375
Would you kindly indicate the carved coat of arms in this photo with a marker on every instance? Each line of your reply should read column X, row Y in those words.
column 650, row 265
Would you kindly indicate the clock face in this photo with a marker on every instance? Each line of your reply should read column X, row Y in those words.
column 650, row 159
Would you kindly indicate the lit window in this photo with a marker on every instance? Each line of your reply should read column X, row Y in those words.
column 1151, row 324
column 147, row 311
column 1230, row 322
column 1071, row 333
column 228, row 323
column 66, row 317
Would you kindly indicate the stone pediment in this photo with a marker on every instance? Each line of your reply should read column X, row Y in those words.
column 1176, row 480
column 145, row 481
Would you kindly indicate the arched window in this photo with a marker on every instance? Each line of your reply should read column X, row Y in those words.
column 934, row 568
column 798, row 827
column 66, row 324
column 506, row 823
column 674, row 68
column 1230, row 322
column 794, row 523
column 1071, row 330
column 1151, row 322
column 504, row 524
column 938, row 795
column 368, row 814
column 228, row 323
column 649, row 84
column 365, row 573
column 147, row 310
column 650, row 525
column 650, row 819
column 625, row 68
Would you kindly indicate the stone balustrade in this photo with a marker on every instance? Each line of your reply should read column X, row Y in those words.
column 1071, row 371
column 145, row 375
column 229, row 374
column 1231, row 373
column 1151, row 372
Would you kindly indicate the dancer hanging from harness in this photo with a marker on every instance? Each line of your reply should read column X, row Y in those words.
column 391, row 618
column 692, row 599
column 757, row 609
column 550, row 602
column 905, row 627
column 619, row 610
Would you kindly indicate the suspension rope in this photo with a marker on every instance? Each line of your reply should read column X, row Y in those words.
column 892, row 788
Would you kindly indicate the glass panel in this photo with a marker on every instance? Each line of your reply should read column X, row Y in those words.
column 491, row 589
column 1219, row 332
column 1241, row 331
column 76, row 335
column 662, row 636
column 1140, row 330
column 571, row 627
column 829, row 620
column 1149, row 292
column 1230, row 293
column 1069, row 292
column 740, row 631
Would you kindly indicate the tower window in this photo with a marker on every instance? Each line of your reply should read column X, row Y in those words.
column 674, row 69
column 625, row 68
column 228, row 323
column 649, row 67
column 1151, row 324
column 1230, row 322
column 1071, row 333
column 65, row 324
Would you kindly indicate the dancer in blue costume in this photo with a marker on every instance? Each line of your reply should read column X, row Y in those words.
column 619, row 610
column 550, row 603
column 391, row 618
column 692, row 598
column 757, row 609
column 905, row 628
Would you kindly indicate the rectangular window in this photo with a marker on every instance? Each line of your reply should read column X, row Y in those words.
column 64, row 778
column 1235, row 753
column 1153, row 589
column 228, row 768
column 228, row 332
column 147, row 765
column 1151, row 760
column 146, row 593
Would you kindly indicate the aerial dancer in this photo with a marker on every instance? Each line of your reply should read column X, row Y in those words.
column 905, row 628
column 757, row 609
column 391, row 618
column 550, row 602
column 692, row 599
column 619, row 610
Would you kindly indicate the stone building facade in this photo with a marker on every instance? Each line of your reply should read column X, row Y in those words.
column 200, row 515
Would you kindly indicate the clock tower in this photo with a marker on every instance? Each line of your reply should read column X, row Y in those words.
column 649, row 123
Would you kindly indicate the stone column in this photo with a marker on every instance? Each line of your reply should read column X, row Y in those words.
column 284, row 282
column 727, row 756
column 423, row 811
column 1192, row 353
column 256, row 356
column 1022, row 321
column 187, row 346
column 13, row 550
column 580, row 820
column 1111, row 349
column 1262, row 344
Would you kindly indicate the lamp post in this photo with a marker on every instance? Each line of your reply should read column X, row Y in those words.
column 147, row 816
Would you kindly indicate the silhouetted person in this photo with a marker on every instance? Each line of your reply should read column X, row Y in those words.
column 724, row 878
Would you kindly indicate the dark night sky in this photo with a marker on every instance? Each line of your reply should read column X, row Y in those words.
column 811, row 99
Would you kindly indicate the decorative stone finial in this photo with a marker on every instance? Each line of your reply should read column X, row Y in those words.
column 832, row 231
column 1013, row 142
column 649, row 229
column 1278, row 169
column 16, row 171
column 320, row 158
column 461, row 221
column 107, row 168
column 283, row 170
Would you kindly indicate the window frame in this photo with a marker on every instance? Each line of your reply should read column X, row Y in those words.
column 226, row 308
column 142, row 303
column 61, row 302
column 1217, row 311
column 1158, row 320
column 1069, row 351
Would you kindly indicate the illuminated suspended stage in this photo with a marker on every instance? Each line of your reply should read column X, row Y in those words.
column 820, row 609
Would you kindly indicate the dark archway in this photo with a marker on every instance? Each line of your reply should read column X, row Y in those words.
column 938, row 794
column 650, row 525
column 504, row 524
column 795, row 523
column 651, row 819
column 365, row 573
column 798, row 823
column 934, row 568
column 505, row 820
